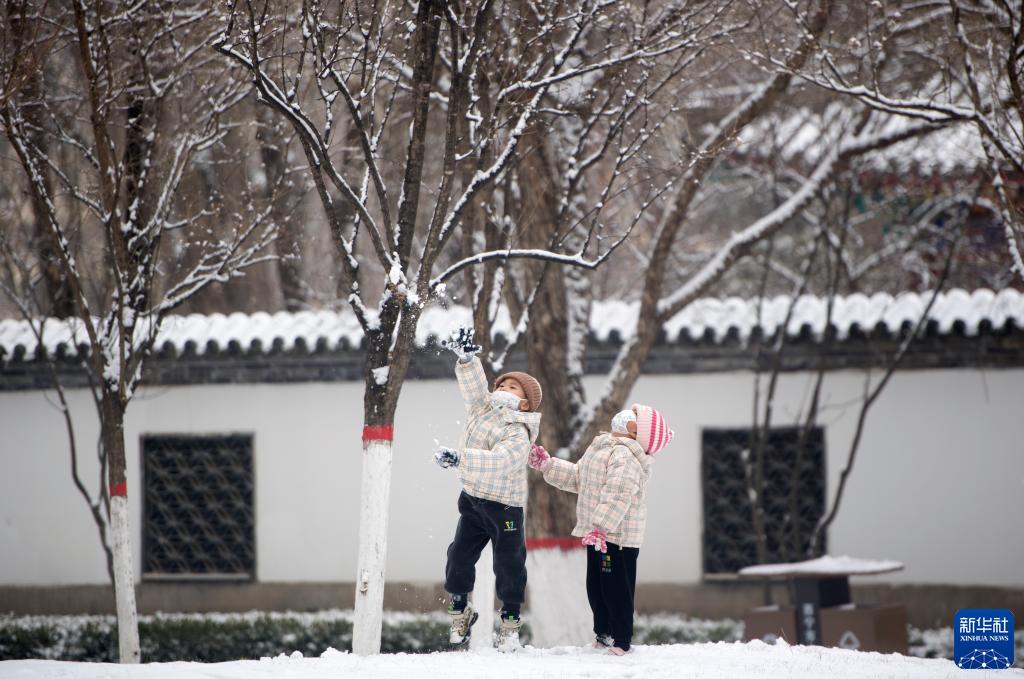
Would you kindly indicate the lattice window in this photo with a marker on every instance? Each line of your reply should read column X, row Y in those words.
column 198, row 507
column 730, row 539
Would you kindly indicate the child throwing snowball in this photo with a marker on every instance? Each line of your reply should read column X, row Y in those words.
column 491, row 462
column 611, row 512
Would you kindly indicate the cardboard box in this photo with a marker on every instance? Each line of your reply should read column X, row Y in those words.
column 769, row 623
column 865, row 628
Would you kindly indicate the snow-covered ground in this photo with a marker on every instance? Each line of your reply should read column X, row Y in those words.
column 707, row 661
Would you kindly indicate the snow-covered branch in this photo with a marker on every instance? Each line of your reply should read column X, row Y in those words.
column 740, row 243
column 503, row 255
column 316, row 147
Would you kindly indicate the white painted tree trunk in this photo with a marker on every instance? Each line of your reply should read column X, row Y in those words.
column 483, row 602
column 124, row 582
column 373, row 547
column 559, row 611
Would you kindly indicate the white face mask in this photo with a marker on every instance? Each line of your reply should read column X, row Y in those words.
column 504, row 399
column 620, row 420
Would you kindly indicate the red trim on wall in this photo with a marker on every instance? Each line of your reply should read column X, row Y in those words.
column 119, row 489
column 380, row 432
column 552, row 543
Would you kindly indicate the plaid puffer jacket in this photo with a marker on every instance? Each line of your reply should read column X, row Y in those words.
column 610, row 479
column 496, row 441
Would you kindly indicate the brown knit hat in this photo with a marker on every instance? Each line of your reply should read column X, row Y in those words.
column 534, row 395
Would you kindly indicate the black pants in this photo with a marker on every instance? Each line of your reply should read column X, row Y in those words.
column 611, row 583
column 479, row 521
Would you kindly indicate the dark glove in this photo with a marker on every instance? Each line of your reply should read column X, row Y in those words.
column 446, row 457
column 460, row 342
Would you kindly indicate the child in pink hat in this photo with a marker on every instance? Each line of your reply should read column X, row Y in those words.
column 610, row 480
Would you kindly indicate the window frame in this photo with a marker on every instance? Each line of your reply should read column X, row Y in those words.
column 249, row 440
column 818, row 432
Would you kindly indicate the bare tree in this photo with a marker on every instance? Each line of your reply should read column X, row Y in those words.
column 657, row 306
column 681, row 194
column 836, row 265
column 17, row 281
column 872, row 390
column 122, row 131
column 972, row 58
column 390, row 71
column 589, row 168
column 24, row 46
column 283, row 197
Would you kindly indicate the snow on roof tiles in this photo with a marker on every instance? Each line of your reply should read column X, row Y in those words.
column 860, row 311
column 714, row 318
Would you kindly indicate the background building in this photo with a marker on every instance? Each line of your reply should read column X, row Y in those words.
column 243, row 458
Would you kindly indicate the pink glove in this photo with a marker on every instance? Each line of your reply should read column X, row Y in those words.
column 539, row 458
column 598, row 538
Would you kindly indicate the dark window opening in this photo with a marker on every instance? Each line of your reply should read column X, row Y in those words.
column 198, row 518
column 793, row 492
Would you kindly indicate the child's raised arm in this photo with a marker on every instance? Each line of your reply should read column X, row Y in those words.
column 468, row 370
column 472, row 382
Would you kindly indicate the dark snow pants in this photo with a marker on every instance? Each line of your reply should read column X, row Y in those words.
column 611, row 583
column 479, row 521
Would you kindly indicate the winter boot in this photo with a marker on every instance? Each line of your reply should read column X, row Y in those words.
column 462, row 622
column 508, row 634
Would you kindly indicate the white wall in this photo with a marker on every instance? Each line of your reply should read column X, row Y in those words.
column 306, row 440
column 942, row 462
column 938, row 481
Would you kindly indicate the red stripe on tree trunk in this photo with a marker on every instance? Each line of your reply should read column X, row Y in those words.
column 552, row 543
column 119, row 489
column 381, row 432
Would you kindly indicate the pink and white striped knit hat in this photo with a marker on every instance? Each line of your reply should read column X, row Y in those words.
column 652, row 431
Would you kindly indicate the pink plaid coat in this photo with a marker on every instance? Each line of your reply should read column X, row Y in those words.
column 495, row 443
column 610, row 480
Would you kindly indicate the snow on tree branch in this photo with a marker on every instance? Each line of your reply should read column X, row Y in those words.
column 739, row 244
column 495, row 255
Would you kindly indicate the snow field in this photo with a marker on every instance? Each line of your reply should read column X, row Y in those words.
column 705, row 661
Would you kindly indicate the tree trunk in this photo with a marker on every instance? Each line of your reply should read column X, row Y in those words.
column 274, row 153
column 373, row 539
column 385, row 373
column 550, row 512
column 112, row 426
column 386, row 365
column 58, row 300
